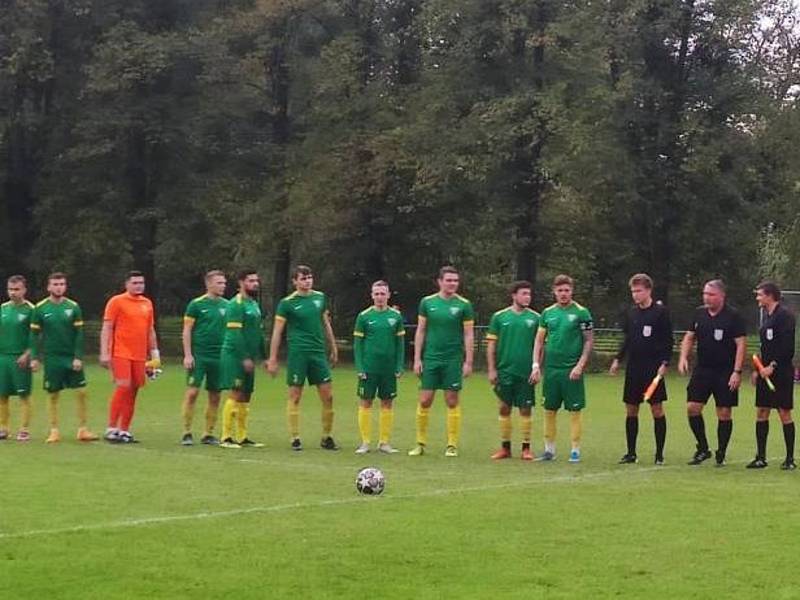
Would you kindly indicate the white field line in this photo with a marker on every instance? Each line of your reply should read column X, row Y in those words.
column 274, row 508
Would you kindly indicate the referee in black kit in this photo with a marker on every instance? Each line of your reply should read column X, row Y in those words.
column 777, row 351
column 721, row 344
column 648, row 347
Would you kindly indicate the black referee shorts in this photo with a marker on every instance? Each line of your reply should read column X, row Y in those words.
column 637, row 379
column 782, row 397
column 706, row 382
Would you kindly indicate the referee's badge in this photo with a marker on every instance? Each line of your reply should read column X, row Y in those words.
column 718, row 333
column 770, row 333
column 647, row 330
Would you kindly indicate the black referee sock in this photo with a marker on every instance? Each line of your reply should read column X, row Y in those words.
column 762, row 431
column 724, row 430
column 699, row 430
column 788, row 437
column 660, row 429
column 631, row 433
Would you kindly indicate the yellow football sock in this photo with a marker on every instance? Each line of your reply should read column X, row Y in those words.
column 453, row 425
column 423, row 416
column 575, row 428
column 4, row 413
column 81, row 407
column 526, row 426
column 327, row 419
column 188, row 415
column 228, row 414
column 293, row 418
column 211, row 419
column 52, row 410
column 25, row 412
column 550, row 426
column 365, row 423
column 505, row 428
column 242, row 415
column 385, row 424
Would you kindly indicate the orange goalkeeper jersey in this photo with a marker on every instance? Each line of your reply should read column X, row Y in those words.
column 132, row 317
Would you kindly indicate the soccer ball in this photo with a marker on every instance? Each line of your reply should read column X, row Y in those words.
column 370, row 481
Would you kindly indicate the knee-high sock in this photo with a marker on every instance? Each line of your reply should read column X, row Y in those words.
column 699, row 430
column 453, row 425
column 724, row 430
column 660, row 430
column 211, row 419
column 52, row 410
column 575, row 428
column 25, row 412
column 127, row 410
column 327, row 419
column 525, row 427
column 423, row 416
column 81, row 408
column 385, row 424
column 762, row 432
column 505, row 428
column 115, row 406
column 242, row 417
column 187, row 412
column 4, row 413
column 631, row 433
column 788, row 437
column 365, row 423
column 228, row 416
column 293, row 418
column 550, row 429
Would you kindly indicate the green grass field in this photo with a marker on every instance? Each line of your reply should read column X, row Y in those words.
column 157, row 520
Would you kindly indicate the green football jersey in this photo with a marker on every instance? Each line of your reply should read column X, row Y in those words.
column 514, row 333
column 564, row 327
column 303, row 316
column 445, row 319
column 61, row 325
column 378, row 341
column 244, row 332
column 15, row 327
column 208, row 317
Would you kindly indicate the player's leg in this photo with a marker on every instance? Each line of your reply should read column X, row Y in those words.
column 243, row 413
column 121, row 374
column 4, row 417
column 76, row 380
column 452, row 383
column 553, row 399
column 296, row 375
column 698, row 392
column 366, row 391
column 631, row 431
column 387, row 393
column 788, row 438
column 212, row 410
column 22, row 381
column 430, row 381
column 52, row 416
column 319, row 375
column 504, row 418
column 575, row 402
column 138, row 376
column 234, row 395
column 187, row 414
column 6, row 389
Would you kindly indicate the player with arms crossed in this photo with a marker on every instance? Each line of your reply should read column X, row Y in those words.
column 60, row 321
column 720, row 333
column 127, row 336
column 564, row 341
column 16, row 351
column 305, row 315
column 203, row 331
column 777, row 351
column 443, row 354
column 648, row 346
column 509, row 348
column 379, row 354
column 242, row 348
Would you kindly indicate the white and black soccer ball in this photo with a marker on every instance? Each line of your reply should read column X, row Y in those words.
column 370, row 481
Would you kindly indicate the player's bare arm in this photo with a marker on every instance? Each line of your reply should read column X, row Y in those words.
column 735, row 379
column 491, row 363
column 186, row 338
column 106, row 335
column 469, row 348
column 588, row 344
column 334, row 351
column 687, row 343
column 275, row 346
column 538, row 355
column 419, row 342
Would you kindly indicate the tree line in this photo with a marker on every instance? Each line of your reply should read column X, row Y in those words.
column 381, row 139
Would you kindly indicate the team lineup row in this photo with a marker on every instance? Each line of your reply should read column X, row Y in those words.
column 223, row 341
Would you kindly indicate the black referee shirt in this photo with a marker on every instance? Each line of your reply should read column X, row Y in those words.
column 648, row 335
column 716, row 346
column 777, row 338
